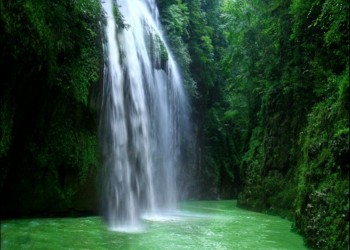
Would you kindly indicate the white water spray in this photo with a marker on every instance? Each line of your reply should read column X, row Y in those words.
column 142, row 118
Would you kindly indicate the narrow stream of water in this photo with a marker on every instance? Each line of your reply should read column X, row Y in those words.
column 196, row 225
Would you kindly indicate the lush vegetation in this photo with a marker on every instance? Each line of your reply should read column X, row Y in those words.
column 192, row 29
column 269, row 82
column 271, row 106
column 50, row 62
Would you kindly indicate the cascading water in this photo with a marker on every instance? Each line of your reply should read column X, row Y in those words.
column 143, row 115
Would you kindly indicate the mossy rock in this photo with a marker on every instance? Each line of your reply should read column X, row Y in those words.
column 158, row 52
column 119, row 18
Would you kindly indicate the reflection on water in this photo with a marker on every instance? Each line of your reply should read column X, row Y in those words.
column 196, row 225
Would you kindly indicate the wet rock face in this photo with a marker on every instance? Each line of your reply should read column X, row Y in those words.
column 158, row 52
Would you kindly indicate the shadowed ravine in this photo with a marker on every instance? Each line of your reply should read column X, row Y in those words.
column 133, row 124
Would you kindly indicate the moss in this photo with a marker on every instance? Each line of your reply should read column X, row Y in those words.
column 314, row 187
column 119, row 18
column 6, row 125
column 158, row 51
column 322, row 202
column 53, row 63
column 164, row 56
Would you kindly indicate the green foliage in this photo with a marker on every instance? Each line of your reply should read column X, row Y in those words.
column 6, row 120
column 53, row 58
column 192, row 29
column 158, row 51
column 287, row 87
column 84, row 72
column 344, row 90
column 270, row 88
column 200, row 47
column 322, row 202
column 175, row 18
column 273, row 106
column 119, row 19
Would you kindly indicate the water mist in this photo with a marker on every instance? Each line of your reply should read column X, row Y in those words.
column 144, row 112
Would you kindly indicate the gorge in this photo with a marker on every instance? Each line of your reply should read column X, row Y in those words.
column 157, row 122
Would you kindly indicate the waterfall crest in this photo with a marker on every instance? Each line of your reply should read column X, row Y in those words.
column 144, row 112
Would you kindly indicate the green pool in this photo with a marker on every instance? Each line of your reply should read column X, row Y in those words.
column 197, row 225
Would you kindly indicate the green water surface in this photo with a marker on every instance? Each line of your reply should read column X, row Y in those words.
column 197, row 225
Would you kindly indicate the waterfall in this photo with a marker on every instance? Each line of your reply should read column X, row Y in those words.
column 144, row 113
